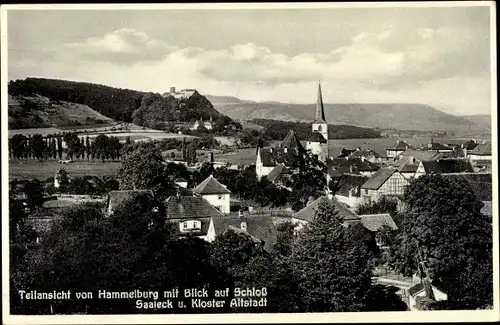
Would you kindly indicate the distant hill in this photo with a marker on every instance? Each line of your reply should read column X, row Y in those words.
column 483, row 121
column 385, row 116
column 39, row 111
column 125, row 105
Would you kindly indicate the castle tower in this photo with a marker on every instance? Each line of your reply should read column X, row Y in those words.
column 318, row 142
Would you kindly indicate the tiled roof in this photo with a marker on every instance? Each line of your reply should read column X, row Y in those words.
column 364, row 153
column 444, row 166
column 403, row 166
column 375, row 222
column 241, row 231
column 419, row 287
column 378, row 179
column 280, row 169
column 435, row 146
column 262, row 227
column 187, row 207
column 117, row 198
column 483, row 149
column 309, row 211
column 345, row 152
column 469, row 145
column 401, row 145
column 210, row 186
column 420, row 155
column 316, row 137
column 274, row 156
column 349, row 181
column 481, row 183
column 339, row 166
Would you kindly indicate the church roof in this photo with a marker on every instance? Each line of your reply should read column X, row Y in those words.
column 292, row 141
column 211, row 186
column 320, row 112
column 316, row 137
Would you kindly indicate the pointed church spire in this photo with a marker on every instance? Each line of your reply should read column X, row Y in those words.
column 320, row 113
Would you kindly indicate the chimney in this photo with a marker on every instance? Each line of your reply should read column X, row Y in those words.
column 363, row 158
column 351, row 169
column 286, row 149
column 243, row 226
column 172, row 90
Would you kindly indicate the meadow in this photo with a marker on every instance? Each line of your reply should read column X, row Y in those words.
column 30, row 169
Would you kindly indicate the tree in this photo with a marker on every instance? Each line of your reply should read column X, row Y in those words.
column 34, row 194
column 142, row 169
column 444, row 228
column 329, row 265
column 18, row 145
column 308, row 179
column 191, row 153
column 101, row 147
column 383, row 205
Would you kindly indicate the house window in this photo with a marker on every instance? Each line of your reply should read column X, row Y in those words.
column 220, row 196
column 185, row 225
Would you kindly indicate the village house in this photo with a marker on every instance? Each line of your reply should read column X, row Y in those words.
column 443, row 166
column 406, row 168
column 206, row 124
column 385, row 182
column 280, row 176
column 192, row 215
column 116, row 199
column 397, row 149
column 480, row 153
column 286, row 153
column 375, row 223
column 414, row 156
column 61, row 177
column 349, row 189
column 437, row 147
column 371, row 222
column 418, row 291
column 367, row 155
column 181, row 182
column 338, row 166
column 215, row 193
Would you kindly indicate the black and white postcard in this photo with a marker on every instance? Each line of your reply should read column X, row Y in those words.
column 214, row 163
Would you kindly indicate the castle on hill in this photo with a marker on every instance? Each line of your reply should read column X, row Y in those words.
column 275, row 161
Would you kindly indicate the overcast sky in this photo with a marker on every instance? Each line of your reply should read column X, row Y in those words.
column 435, row 56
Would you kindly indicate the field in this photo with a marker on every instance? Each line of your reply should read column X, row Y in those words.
column 30, row 169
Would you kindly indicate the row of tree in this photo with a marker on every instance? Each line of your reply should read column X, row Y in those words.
column 75, row 147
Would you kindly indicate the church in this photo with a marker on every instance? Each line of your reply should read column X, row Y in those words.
column 270, row 160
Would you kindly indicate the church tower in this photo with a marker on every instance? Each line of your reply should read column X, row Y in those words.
column 318, row 142
column 319, row 123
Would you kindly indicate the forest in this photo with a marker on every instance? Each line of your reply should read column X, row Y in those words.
column 277, row 130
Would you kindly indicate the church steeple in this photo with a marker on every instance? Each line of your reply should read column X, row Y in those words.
column 320, row 112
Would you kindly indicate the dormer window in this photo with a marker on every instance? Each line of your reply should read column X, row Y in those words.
column 191, row 225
